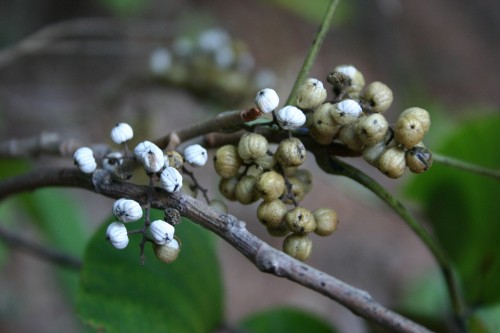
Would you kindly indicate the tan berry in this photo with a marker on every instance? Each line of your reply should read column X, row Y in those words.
column 372, row 128
column 175, row 160
column 270, row 185
column 227, row 187
column 408, row 131
column 326, row 221
column 272, row 213
column 300, row 220
column 278, row 231
column 245, row 190
column 227, row 161
column 252, row 146
column 168, row 252
column 291, row 152
column 418, row 159
column 350, row 137
column 322, row 127
column 420, row 114
column 298, row 246
column 297, row 189
column 377, row 96
column 392, row 162
column 311, row 94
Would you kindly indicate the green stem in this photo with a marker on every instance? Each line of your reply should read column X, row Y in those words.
column 332, row 165
column 313, row 50
column 452, row 162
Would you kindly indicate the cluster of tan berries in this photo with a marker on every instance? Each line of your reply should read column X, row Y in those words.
column 355, row 118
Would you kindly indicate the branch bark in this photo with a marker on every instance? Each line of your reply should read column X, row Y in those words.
column 228, row 227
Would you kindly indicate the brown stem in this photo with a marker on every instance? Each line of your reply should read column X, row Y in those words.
column 228, row 227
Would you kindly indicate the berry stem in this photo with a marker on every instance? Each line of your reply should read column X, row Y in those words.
column 458, row 164
column 146, row 219
column 333, row 165
column 203, row 190
column 313, row 51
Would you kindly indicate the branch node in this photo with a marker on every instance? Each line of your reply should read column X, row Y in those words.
column 267, row 261
column 101, row 177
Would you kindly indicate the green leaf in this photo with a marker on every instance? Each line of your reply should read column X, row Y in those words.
column 485, row 320
column 285, row 320
column 62, row 223
column 313, row 11
column 117, row 294
column 463, row 207
column 124, row 7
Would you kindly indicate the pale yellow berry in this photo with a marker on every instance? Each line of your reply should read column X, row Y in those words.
column 252, row 146
column 377, row 96
column 322, row 127
column 392, row 162
column 168, row 252
column 420, row 114
column 227, row 161
column 290, row 152
column 297, row 190
column 350, row 137
column 245, row 190
column 227, row 187
column 372, row 128
column 270, row 185
column 298, row 246
column 272, row 213
column 300, row 220
column 311, row 94
column 175, row 160
column 326, row 221
column 408, row 131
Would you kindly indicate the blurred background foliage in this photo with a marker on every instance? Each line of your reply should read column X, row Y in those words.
column 442, row 56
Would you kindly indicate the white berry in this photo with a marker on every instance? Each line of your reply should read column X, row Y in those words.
column 196, row 155
column 84, row 159
column 150, row 155
column 171, row 179
column 127, row 210
column 346, row 112
column 116, row 233
column 161, row 232
column 121, row 133
column 290, row 117
column 267, row 100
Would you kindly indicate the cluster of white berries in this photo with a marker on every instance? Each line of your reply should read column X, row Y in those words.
column 227, row 65
column 166, row 168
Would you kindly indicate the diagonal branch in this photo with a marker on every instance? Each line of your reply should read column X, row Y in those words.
column 228, row 227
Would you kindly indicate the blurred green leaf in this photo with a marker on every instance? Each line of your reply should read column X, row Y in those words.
column 117, row 294
column 463, row 207
column 485, row 320
column 125, row 7
column 285, row 320
column 313, row 11
column 62, row 223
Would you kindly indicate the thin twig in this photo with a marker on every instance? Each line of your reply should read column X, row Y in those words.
column 42, row 252
column 333, row 165
column 313, row 50
column 469, row 167
column 228, row 227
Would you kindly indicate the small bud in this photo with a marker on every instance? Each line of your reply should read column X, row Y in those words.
column 175, row 160
column 357, row 81
column 161, row 232
column 311, row 94
column 267, row 100
column 290, row 117
column 290, row 152
column 196, row 155
column 121, row 133
column 167, row 252
column 378, row 97
column 84, row 159
column 346, row 112
column 418, row 159
column 298, row 246
column 171, row 179
column 150, row 156
column 118, row 165
column 116, row 233
column 127, row 210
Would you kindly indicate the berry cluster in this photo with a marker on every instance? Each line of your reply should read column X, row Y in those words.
column 165, row 168
column 354, row 117
column 251, row 171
